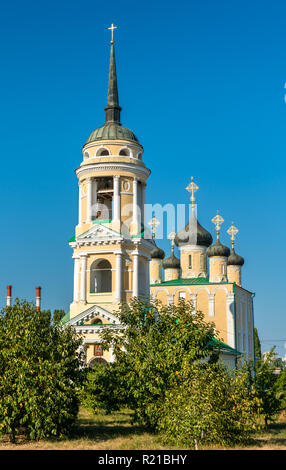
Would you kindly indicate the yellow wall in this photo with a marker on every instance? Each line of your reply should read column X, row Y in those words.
column 198, row 259
column 220, row 317
column 203, row 302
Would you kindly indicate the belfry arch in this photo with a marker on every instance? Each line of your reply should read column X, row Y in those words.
column 100, row 276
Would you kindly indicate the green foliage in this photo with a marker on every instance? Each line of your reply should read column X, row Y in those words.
column 39, row 374
column 104, row 389
column 257, row 344
column 46, row 316
column 156, row 352
column 266, row 388
column 211, row 406
column 58, row 315
column 280, row 387
column 166, row 371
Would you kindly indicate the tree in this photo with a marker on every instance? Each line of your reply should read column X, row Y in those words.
column 46, row 315
column 211, row 406
column 58, row 315
column 280, row 387
column 158, row 352
column 257, row 345
column 39, row 374
column 265, row 385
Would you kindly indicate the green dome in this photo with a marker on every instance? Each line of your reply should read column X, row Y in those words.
column 112, row 131
column 218, row 250
column 235, row 260
column 157, row 253
column 193, row 234
column 171, row 262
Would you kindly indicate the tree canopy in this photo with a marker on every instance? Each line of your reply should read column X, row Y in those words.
column 39, row 374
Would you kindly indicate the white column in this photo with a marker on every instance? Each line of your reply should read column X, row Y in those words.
column 148, row 276
column 75, row 279
column 116, row 198
column 143, row 199
column 211, row 305
column 118, row 277
column 135, row 204
column 94, row 198
column 88, row 200
column 83, row 279
column 230, row 320
column 135, row 274
column 79, row 203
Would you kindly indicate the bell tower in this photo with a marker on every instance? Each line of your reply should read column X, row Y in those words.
column 111, row 255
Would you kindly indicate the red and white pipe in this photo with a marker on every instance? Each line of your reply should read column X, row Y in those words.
column 38, row 299
column 9, row 296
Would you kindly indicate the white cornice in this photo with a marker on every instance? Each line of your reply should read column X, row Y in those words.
column 99, row 167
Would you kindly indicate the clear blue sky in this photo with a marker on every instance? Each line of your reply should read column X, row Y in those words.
column 201, row 83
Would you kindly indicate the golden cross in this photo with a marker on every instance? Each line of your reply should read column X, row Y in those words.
column 172, row 237
column 217, row 221
column 153, row 223
column 192, row 188
column 232, row 231
column 112, row 27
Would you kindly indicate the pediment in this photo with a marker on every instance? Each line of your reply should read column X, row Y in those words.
column 92, row 312
column 97, row 233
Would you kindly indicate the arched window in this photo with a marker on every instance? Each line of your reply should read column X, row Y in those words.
column 97, row 361
column 124, row 152
column 190, row 261
column 96, row 321
column 102, row 152
column 222, row 269
column 100, row 276
column 86, row 155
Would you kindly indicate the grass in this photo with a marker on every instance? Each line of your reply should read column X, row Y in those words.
column 114, row 432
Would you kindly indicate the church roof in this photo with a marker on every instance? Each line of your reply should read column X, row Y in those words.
column 112, row 129
column 171, row 262
column 234, row 259
column 193, row 234
column 218, row 250
column 157, row 253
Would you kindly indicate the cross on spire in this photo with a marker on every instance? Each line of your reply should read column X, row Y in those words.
column 112, row 28
column 232, row 231
column 217, row 221
column 153, row 223
column 192, row 188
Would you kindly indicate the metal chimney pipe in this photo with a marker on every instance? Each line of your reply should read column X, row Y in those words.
column 38, row 299
column 9, row 296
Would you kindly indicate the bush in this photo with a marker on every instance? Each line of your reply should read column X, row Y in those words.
column 211, row 406
column 103, row 389
column 39, row 374
column 266, row 384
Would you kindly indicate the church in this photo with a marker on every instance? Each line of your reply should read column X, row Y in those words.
column 114, row 260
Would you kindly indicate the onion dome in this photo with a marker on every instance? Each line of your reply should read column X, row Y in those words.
column 157, row 253
column 235, row 260
column 218, row 250
column 171, row 262
column 112, row 129
column 193, row 234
